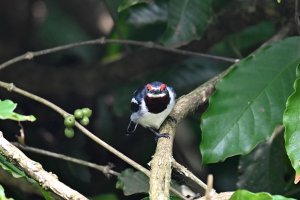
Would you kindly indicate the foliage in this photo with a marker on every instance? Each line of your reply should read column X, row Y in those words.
column 17, row 173
column 243, row 194
column 242, row 115
column 187, row 21
column 292, row 128
column 7, row 108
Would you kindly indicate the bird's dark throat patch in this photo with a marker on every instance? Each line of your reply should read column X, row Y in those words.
column 157, row 104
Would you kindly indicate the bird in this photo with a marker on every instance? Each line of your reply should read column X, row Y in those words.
column 150, row 106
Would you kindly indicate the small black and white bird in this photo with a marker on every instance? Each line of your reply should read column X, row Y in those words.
column 150, row 106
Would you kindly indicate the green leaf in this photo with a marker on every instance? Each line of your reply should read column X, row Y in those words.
column 244, row 194
column 237, row 43
column 187, row 21
column 292, row 128
column 249, row 101
column 6, row 112
column 10, row 168
column 128, row 3
column 265, row 168
column 132, row 182
column 148, row 14
column 46, row 194
column 2, row 194
column 17, row 173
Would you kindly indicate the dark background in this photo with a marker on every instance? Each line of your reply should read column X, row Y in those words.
column 103, row 77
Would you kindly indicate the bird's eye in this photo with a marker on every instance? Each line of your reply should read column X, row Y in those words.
column 149, row 87
column 162, row 87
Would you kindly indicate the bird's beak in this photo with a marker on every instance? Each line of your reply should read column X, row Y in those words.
column 156, row 91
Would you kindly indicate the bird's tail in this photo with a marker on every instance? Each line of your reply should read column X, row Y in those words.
column 131, row 127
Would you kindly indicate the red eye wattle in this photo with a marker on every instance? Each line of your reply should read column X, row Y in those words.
column 162, row 87
column 149, row 87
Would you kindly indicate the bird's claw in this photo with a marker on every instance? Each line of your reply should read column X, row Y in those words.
column 161, row 135
column 172, row 119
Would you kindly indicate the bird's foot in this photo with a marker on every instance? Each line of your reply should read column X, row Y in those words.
column 172, row 119
column 159, row 135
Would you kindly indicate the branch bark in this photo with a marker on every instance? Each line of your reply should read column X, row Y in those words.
column 47, row 180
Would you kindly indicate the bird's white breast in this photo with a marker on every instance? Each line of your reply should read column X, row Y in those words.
column 147, row 119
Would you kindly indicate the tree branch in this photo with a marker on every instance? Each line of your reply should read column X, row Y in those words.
column 181, row 169
column 31, row 54
column 160, row 176
column 48, row 181
column 12, row 88
column 105, row 169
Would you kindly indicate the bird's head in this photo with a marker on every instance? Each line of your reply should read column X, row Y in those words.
column 156, row 90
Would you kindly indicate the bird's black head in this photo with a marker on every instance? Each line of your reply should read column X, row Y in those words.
column 157, row 97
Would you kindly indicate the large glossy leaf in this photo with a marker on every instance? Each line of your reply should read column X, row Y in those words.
column 186, row 21
column 7, row 108
column 244, row 194
column 291, row 122
column 249, row 101
column 265, row 168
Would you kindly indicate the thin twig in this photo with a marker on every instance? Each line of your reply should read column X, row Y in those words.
column 31, row 54
column 12, row 88
column 105, row 169
column 183, row 170
column 277, row 131
column 209, row 192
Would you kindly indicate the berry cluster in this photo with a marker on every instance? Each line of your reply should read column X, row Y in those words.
column 81, row 114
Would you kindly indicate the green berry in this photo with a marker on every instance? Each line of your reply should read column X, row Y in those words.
column 85, row 121
column 78, row 113
column 69, row 121
column 87, row 112
column 69, row 132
